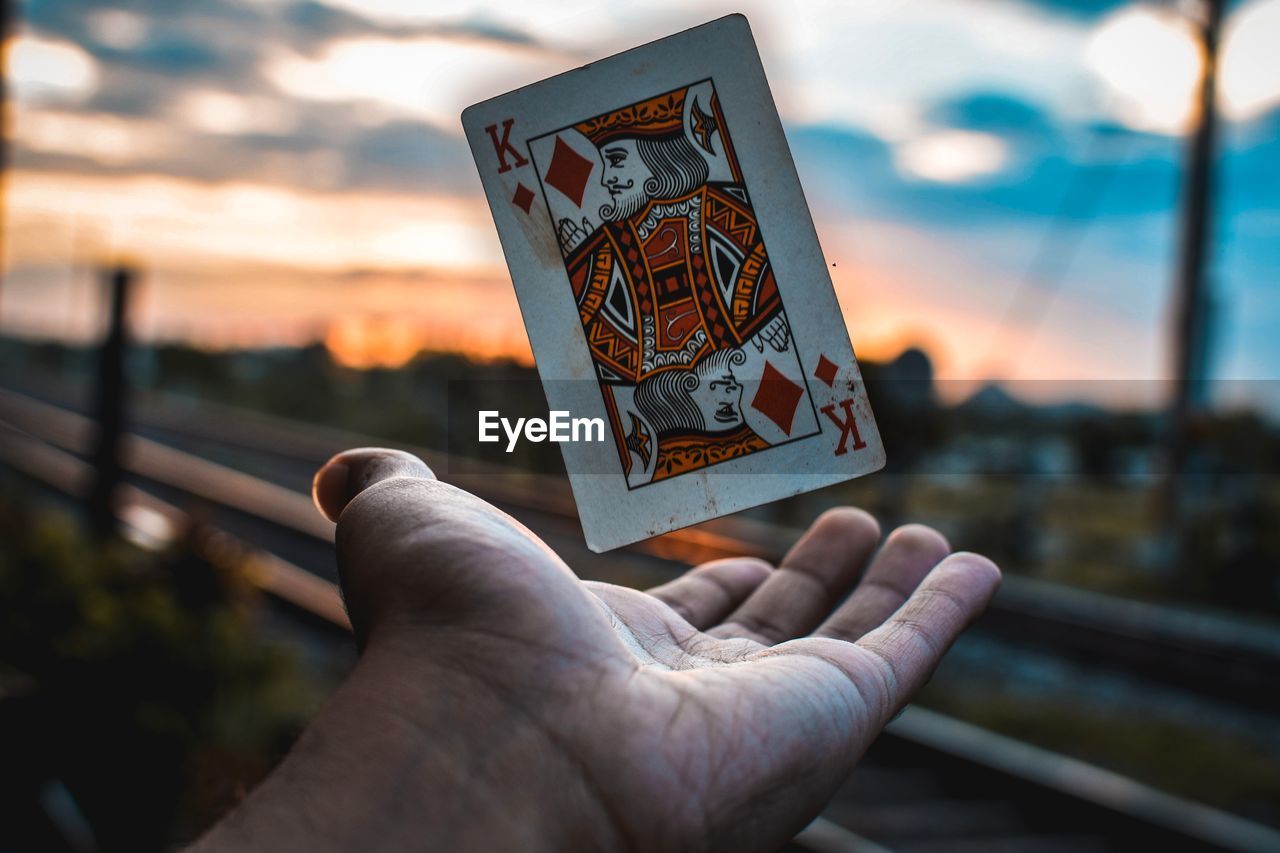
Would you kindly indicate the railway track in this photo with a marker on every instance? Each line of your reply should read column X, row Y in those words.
column 931, row 783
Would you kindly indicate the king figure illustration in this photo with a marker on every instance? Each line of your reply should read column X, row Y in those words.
column 674, row 287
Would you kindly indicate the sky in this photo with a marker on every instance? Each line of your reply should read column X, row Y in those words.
column 993, row 180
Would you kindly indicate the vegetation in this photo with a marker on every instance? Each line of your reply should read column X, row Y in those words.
column 1067, row 492
column 1221, row 768
column 138, row 682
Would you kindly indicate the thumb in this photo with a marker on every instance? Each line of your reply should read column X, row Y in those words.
column 414, row 552
column 351, row 472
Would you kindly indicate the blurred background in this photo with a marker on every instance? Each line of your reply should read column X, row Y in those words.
column 240, row 235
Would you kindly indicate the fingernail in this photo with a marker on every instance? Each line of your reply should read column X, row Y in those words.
column 329, row 489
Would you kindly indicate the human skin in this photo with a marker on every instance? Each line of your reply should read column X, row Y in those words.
column 500, row 703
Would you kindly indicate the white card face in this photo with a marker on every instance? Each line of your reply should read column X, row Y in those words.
column 672, row 284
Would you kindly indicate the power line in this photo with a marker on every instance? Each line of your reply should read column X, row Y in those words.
column 1060, row 242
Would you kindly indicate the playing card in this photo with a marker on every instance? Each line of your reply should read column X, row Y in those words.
column 672, row 284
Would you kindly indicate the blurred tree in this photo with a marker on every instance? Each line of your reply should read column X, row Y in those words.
column 906, row 408
column 145, row 692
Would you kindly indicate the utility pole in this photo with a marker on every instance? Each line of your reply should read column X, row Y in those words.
column 110, row 404
column 1192, row 308
column 6, row 128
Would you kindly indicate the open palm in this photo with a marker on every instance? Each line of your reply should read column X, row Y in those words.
column 718, row 711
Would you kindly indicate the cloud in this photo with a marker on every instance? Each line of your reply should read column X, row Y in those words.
column 176, row 88
column 879, row 64
column 1042, row 158
column 191, row 88
column 323, row 23
column 990, row 111
column 875, row 95
column 177, row 37
column 951, row 156
column 1250, row 74
column 1098, row 203
column 228, row 39
column 1097, row 198
column 176, row 221
column 398, row 152
column 1249, row 171
column 1149, row 59
column 325, row 150
column 173, row 51
column 47, row 70
column 430, row 77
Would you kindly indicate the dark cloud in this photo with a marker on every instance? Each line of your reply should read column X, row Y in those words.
column 322, row 23
column 218, row 45
column 843, row 169
column 481, row 27
column 180, row 20
column 992, row 112
column 200, row 36
column 221, row 46
column 125, row 92
column 1249, row 168
column 1086, row 9
column 1122, row 186
column 1117, row 189
column 405, row 154
column 174, row 52
column 398, row 155
column 1048, row 162
column 315, row 24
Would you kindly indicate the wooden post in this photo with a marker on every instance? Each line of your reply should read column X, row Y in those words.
column 110, row 406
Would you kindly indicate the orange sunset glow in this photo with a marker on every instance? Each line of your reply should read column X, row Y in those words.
column 328, row 197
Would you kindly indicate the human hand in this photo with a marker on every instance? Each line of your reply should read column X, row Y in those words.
column 501, row 703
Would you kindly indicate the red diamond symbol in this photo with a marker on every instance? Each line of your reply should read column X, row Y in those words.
column 523, row 198
column 777, row 398
column 826, row 371
column 569, row 171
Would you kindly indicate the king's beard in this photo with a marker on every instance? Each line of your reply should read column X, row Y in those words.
column 624, row 205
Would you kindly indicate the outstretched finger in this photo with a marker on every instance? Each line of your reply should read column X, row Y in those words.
column 883, row 670
column 907, row 648
column 906, row 558
column 705, row 595
column 815, row 574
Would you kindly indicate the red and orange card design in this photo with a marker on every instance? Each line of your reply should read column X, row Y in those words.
column 672, row 284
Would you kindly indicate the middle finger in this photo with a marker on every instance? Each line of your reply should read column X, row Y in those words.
column 816, row 573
